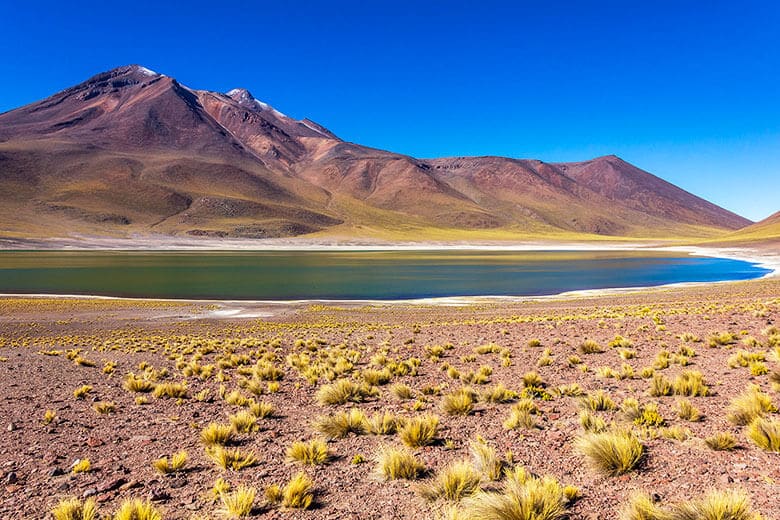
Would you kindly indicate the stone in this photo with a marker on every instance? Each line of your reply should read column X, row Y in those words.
column 89, row 493
column 11, row 478
column 110, row 485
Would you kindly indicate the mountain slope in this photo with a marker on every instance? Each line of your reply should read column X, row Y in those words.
column 132, row 151
column 762, row 232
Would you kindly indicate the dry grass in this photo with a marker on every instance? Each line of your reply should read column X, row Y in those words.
column 486, row 461
column 231, row 458
column 529, row 499
column 454, row 482
column 137, row 510
column 137, row 384
column 611, row 452
column 75, row 509
column 749, row 405
column 419, row 431
column 687, row 412
column 170, row 390
column 341, row 424
column 176, row 463
column 765, row 433
column 397, row 463
column 459, row 402
column 598, row 401
column 721, row 441
column 345, row 391
column 217, row 434
column 297, row 493
column 715, row 505
column 313, row 452
column 239, row 503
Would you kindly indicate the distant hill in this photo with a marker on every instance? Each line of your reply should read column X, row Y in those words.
column 766, row 231
column 131, row 151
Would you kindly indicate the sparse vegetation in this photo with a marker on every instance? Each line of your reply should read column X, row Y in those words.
column 397, row 463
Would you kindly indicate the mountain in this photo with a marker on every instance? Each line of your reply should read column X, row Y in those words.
column 131, row 151
column 764, row 232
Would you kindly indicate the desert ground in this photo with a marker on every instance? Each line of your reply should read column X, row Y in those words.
column 521, row 390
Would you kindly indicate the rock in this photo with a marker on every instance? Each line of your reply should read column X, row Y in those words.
column 158, row 495
column 89, row 493
column 103, row 498
column 130, row 485
column 94, row 442
column 178, row 483
column 725, row 479
column 12, row 488
column 11, row 478
column 111, row 485
column 55, row 472
column 11, row 427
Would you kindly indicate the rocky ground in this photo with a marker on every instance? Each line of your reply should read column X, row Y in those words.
column 51, row 347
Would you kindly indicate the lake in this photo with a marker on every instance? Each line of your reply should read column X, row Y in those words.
column 342, row 275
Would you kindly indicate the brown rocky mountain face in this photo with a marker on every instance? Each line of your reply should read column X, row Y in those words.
column 132, row 151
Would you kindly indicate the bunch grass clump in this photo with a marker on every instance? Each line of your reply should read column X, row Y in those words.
column 454, row 482
column 419, row 431
column 721, row 441
column 345, row 391
column 170, row 390
column 612, row 452
column 239, row 503
column 398, row 463
column 217, row 434
column 459, row 402
column 528, row 498
column 341, row 424
column 137, row 510
column 522, row 415
column 598, row 401
column 75, row 509
column 486, row 461
column 175, row 464
column 765, row 433
column 749, row 405
column 132, row 383
column 231, row 458
column 313, row 452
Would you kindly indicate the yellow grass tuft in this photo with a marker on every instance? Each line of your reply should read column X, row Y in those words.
column 239, row 503
column 313, row 452
column 765, row 433
column 345, row 391
column 137, row 510
column 749, row 405
column 341, row 424
column 611, row 452
column 176, row 463
column 75, row 509
column 82, row 391
column 397, row 463
column 459, row 402
column 243, row 422
column 170, row 390
column 137, row 384
column 419, row 431
column 721, row 441
column 533, row 499
column 452, row 483
column 486, row 461
column 231, row 458
column 216, row 434
column 297, row 493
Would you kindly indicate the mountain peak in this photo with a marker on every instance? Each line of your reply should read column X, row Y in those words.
column 241, row 95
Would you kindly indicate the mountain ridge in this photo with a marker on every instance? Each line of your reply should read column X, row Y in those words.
column 133, row 151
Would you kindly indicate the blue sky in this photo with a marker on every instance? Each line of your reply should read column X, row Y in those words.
column 687, row 90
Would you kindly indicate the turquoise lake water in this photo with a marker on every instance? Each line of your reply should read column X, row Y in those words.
column 379, row 275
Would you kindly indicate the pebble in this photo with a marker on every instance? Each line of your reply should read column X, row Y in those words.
column 56, row 472
column 94, row 442
column 130, row 485
column 11, row 478
column 89, row 492
column 11, row 427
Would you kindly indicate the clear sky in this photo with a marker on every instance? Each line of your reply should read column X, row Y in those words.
column 688, row 90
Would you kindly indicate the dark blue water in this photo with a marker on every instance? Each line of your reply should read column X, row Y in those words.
column 382, row 275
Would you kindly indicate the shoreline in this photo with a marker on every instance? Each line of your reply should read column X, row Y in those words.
column 229, row 308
